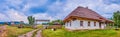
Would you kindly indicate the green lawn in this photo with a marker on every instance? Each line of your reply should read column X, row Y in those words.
column 83, row 33
column 14, row 31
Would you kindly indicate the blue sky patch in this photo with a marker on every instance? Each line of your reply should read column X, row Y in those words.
column 38, row 9
column 112, row 1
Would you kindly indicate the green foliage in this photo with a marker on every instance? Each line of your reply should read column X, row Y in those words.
column 31, row 20
column 59, row 21
column 51, row 23
column 116, row 18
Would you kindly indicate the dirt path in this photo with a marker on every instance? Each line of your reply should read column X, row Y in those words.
column 3, row 31
column 29, row 34
column 38, row 33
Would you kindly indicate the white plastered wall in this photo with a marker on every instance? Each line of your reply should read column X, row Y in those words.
column 76, row 25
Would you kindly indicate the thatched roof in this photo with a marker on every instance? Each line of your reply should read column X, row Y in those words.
column 86, row 13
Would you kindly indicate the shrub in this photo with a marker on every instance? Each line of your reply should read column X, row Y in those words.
column 54, row 26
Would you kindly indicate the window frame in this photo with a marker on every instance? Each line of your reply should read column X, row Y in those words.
column 81, row 23
column 94, row 23
column 88, row 23
column 70, row 23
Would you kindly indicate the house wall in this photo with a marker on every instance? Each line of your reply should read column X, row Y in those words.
column 76, row 25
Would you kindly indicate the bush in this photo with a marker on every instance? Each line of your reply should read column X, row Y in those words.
column 54, row 26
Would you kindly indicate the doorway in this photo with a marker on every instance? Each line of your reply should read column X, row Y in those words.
column 100, row 25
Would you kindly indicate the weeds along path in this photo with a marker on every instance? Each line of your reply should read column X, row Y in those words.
column 29, row 34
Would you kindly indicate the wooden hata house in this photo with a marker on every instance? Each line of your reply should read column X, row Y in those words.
column 84, row 18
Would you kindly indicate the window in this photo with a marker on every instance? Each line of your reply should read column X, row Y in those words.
column 88, row 23
column 94, row 23
column 81, row 23
column 70, row 23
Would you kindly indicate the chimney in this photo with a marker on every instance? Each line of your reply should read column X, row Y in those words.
column 87, row 7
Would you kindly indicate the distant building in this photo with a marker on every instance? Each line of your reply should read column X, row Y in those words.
column 11, row 23
column 84, row 18
column 42, row 22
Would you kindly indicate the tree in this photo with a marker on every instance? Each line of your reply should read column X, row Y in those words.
column 59, row 21
column 116, row 18
column 31, row 21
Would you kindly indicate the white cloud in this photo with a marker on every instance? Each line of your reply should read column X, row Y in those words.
column 14, row 15
column 35, row 3
column 3, row 17
column 111, row 8
column 43, row 16
column 96, row 5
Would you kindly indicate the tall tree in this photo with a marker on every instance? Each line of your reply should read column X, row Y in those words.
column 116, row 18
column 31, row 20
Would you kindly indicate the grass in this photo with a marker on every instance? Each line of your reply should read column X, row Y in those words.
column 14, row 31
column 39, row 26
column 83, row 33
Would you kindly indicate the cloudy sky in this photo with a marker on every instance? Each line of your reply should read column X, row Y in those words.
column 18, row 10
